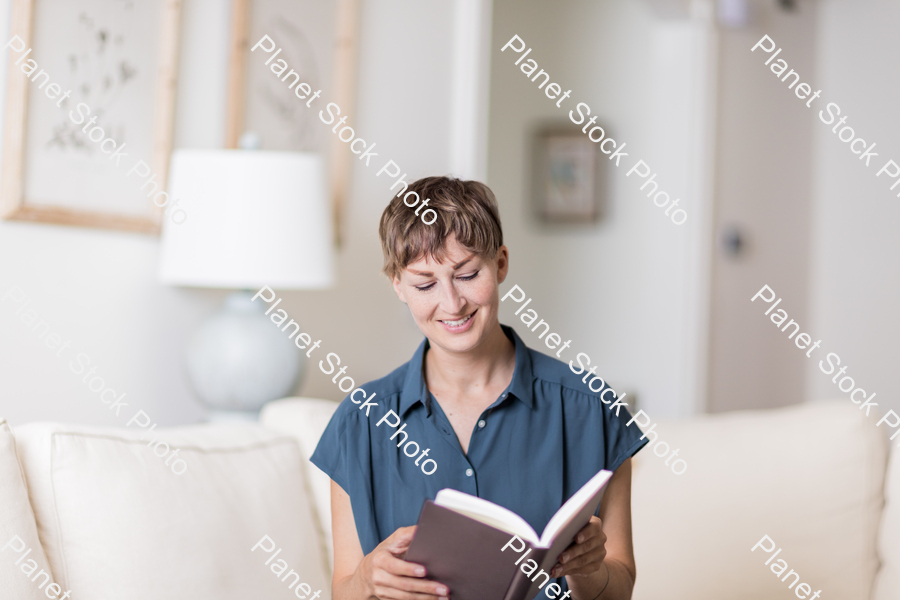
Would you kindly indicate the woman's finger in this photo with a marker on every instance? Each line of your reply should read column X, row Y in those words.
column 411, row 585
column 394, row 594
column 592, row 529
column 585, row 564
column 401, row 568
column 579, row 549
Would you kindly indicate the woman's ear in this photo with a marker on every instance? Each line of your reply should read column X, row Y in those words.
column 502, row 263
column 397, row 288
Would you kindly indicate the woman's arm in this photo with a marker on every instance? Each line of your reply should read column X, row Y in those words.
column 600, row 563
column 382, row 574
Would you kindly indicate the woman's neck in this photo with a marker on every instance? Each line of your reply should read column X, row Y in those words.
column 489, row 365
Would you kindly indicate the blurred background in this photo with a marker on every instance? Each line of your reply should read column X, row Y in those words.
column 773, row 198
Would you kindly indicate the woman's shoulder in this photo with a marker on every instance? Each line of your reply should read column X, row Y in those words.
column 586, row 399
column 371, row 398
column 569, row 376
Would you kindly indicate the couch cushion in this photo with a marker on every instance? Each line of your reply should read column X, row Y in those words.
column 18, row 531
column 306, row 419
column 810, row 477
column 887, row 584
column 116, row 521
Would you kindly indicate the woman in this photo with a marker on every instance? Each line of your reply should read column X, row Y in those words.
column 497, row 419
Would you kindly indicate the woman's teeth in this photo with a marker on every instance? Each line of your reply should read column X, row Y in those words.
column 457, row 323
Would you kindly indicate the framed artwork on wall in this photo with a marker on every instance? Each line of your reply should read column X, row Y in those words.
column 319, row 41
column 90, row 92
column 568, row 176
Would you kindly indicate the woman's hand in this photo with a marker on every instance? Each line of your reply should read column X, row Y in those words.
column 586, row 554
column 386, row 576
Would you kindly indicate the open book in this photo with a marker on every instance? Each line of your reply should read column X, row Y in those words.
column 459, row 540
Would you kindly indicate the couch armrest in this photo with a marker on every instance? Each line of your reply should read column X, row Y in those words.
column 305, row 419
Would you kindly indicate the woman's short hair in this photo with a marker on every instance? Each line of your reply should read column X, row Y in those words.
column 465, row 208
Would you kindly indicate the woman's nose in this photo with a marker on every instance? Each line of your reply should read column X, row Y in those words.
column 452, row 300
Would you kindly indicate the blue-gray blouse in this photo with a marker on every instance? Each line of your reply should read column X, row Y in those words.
column 535, row 446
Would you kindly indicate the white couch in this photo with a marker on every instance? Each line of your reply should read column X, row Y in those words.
column 106, row 518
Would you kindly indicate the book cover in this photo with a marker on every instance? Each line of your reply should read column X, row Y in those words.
column 463, row 554
column 459, row 540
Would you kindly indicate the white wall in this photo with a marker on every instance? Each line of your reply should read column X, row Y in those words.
column 403, row 105
column 99, row 288
column 856, row 249
column 628, row 292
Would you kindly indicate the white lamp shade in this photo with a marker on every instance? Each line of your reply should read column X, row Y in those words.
column 254, row 218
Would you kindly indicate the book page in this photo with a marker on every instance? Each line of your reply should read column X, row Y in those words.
column 573, row 505
column 487, row 512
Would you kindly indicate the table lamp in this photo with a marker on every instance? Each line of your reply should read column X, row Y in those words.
column 255, row 218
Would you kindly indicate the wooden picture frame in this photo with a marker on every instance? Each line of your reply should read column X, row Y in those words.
column 568, row 176
column 311, row 52
column 68, row 180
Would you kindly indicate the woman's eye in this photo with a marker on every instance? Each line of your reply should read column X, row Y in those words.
column 425, row 288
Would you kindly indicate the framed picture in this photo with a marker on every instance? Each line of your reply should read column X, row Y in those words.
column 319, row 41
column 107, row 64
column 569, row 180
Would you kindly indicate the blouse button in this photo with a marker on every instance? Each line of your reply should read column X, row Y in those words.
column 481, row 423
column 469, row 472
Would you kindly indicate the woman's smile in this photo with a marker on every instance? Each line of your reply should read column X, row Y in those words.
column 458, row 325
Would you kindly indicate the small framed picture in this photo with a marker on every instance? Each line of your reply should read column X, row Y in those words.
column 90, row 92
column 569, row 180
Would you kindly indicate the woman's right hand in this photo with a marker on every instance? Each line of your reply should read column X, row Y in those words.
column 387, row 576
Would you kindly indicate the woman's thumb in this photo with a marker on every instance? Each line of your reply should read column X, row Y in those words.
column 401, row 538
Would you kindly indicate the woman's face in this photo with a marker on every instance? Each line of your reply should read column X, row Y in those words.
column 454, row 302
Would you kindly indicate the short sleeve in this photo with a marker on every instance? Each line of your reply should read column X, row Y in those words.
column 622, row 440
column 331, row 453
column 595, row 437
column 346, row 455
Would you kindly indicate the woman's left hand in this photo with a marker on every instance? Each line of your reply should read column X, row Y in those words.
column 586, row 554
